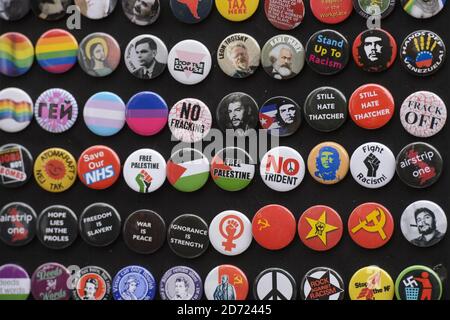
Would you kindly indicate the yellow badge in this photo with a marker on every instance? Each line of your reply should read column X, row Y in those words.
column 371, row 283
column 328, row 163
column 55, row 170
column 237, row 10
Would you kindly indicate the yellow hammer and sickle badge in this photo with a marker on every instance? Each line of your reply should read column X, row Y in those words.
column 373, row 223
column 263, row 223
column 238, row 279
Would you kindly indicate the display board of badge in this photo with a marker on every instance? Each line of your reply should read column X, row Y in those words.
column 163, row 202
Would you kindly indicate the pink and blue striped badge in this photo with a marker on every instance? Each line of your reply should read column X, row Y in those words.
column 146, row 113
column 104, row 114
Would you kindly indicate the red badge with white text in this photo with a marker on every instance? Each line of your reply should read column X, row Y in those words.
column 99, row 167
column 273, row 227
column 320, row 228
column 331, row 12
column 371, row 106
column 371, row 225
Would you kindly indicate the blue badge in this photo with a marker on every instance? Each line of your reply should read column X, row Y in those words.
column 181, row 283
column 328, row 163
column 134, row 283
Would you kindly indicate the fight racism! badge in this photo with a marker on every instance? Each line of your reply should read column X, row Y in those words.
column 372, row 165
column 320, row 228
column 371, row 283
column 371, row 225
column 55, row 170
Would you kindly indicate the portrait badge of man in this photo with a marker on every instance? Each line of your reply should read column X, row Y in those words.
column 240, row 62
column 375, row 51
column 225, row 290
column 145, row 57
column 281, row 65
column 96, row 9
column 328, row 163
column 426, row 224
column 238, row 112
column 179, row 287
column 51, row 9
column 99, row 55
column 142, row 12
column 90, row 289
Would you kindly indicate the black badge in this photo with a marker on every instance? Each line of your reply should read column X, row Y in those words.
column 188, row 236
column 419, row 165
column 144, row 231
column 374, row 50
column 280, row 116
column 100, row 224
column 423, row 53
column 17, row 224
column 275, row 284
column 12, row 10
column 57, row 227
column 49, row 9
column 237, row 113
column 322, row 284
column 16, row 165
column 191, row 11
column 367, row 8
column 327, row 52
column 326, row 109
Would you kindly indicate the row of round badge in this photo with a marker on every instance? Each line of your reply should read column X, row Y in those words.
column 372, row 165
column 273, row 227
column 285, row 15
column 283, row 57
column 371, row 106
column 53, row 281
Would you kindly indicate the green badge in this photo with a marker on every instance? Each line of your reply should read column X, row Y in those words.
column 232, row 169
column 418, row 283
column 188, row 170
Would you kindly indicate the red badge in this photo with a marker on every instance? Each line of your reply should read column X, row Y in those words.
column 320, row 228
column 285, row 15
column 331, row 12
column 371, row 225
column 273, row 227
column 371, row 106
column 99, row 167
